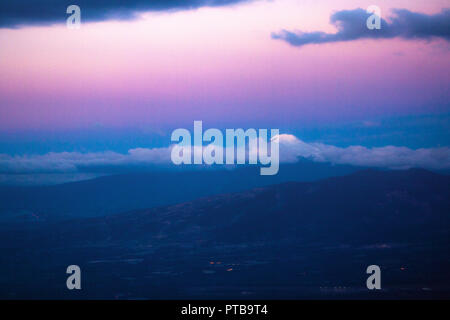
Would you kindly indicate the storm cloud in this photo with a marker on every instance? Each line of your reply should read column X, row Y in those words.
column 17, row 13
column 351, row 25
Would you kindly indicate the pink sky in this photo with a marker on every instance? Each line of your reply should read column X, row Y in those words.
column 217, row 64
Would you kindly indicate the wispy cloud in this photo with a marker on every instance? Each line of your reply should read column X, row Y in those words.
column 351, row 25
column 15, row 13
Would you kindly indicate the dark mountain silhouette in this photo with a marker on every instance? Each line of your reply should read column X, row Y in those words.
column 292, row 240
column 118, row 193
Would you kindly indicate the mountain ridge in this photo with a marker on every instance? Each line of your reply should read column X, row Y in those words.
column 290, row 240
column 117, row 193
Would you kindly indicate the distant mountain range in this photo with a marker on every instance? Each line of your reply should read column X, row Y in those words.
column 291, row 240
column 118, row 193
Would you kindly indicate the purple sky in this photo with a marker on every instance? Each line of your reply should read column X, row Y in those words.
column 110, row 93
column 218, row 65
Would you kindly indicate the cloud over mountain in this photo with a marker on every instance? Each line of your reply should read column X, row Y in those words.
column 291, row 148
column 383, row 157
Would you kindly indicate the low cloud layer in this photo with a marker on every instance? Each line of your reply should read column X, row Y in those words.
column 15, row 13
column 291, row 148
column 351, row 25
column 384, row 157
column 72, row 162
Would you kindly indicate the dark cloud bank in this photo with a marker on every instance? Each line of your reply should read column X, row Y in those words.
column 351, row 25
column 16, row 13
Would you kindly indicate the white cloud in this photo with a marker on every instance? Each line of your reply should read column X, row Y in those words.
column 384, row 157
column 290, row 149
column 67, row 162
